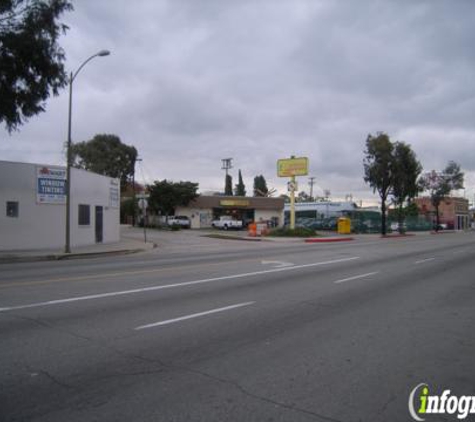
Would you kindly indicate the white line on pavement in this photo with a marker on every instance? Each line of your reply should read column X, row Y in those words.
column 278, row 264
column 424, row 260
column 356, row 277
column 199, row 314
column 170, row 286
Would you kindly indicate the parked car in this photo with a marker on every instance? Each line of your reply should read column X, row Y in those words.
column 395, row 227
column 226, row 222
column 179, row 220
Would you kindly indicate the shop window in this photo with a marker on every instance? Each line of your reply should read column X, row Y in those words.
column 13, row 209
column 84, row 215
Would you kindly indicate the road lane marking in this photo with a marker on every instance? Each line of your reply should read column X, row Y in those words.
column 115, row 274
column 199, row 314
column 170, row 286
column 356, row 277
column 424, row 260
column 278, row 264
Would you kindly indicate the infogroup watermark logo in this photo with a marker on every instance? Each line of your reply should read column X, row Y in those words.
column 421, row 404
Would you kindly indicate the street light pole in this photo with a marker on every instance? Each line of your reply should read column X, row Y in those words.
column 72, row 77
column 134, row 196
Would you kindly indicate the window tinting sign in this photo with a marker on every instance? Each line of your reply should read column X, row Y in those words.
column 50, row 185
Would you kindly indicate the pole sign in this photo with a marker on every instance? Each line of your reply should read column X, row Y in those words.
column 292, row 167
column 142, row 201
column 292, row 186
column 50, row 185
column 143, row 204
column 289, row 167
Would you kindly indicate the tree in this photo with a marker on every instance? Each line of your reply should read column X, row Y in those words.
column 304, row 197
column 128, row 209
column 378, row 169
column 31, row 61
column 240, row 189
column 228, row 188
column 286, row 198
column 107, row 155
column 165, row 196
column 260, row 186
column 411, row 210
column 405, row 173
column 440, row 184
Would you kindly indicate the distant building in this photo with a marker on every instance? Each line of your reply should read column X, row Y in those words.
column 453, row 212
column 33, row 207
column 204, row 209
column 319, row 210
column 472, row 217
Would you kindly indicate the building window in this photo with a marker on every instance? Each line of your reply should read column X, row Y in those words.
column 13, row 209
column 84, row 215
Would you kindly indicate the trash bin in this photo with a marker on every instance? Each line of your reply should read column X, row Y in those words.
column 257, row 229
column 344, row 225
column 252, row 229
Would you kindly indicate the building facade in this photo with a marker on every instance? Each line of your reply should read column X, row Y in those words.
column 33, row 201
column 453, row 212
column 204, row 209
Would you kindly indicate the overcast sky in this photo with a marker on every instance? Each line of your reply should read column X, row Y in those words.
column 190, row 82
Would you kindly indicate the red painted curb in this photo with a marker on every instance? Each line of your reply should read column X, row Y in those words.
column 328, row 239
column 443, row 232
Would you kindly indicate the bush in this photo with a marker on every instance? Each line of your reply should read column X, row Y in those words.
column 297, row 232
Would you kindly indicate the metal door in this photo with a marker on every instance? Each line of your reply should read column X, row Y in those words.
column 99, row 224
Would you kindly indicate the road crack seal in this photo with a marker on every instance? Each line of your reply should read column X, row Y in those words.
column 55, row 380
column 234, row 384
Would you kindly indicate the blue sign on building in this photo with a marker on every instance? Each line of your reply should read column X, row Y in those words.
column 51, row 185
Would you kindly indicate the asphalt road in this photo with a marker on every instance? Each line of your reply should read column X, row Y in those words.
column 240, row 331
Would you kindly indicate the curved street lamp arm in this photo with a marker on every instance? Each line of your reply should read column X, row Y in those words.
column 100, row 53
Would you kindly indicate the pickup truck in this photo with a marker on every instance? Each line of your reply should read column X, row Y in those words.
column 226, row 222
column 179, row 220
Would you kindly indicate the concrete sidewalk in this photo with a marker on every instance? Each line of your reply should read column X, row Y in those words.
column 125, row 246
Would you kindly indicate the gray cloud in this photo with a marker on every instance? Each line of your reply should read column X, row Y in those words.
column 190, row 82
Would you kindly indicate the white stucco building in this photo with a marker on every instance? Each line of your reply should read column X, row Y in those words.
column 204, row 209
column 33, row 207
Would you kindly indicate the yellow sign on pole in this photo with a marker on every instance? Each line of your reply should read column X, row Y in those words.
column 289, row 167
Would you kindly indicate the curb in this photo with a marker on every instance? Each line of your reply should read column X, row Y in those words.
column 224, row 237
column 63, row 257
column 328, row 239
column 396, row 236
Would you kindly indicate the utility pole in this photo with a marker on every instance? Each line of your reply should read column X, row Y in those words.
column 327, row 194
column 134, row 197
column 311, row 182
column 227, row 165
